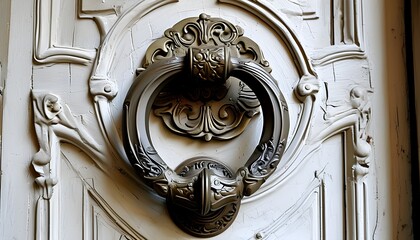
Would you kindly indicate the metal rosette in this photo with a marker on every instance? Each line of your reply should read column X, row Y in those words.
column 204, row 201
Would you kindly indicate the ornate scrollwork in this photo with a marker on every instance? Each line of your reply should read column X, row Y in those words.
column 53, row 120
column 209, row 64
column 220, row 120
column 204, row 30
column 203, row 195
column 359, row 101
column 146, row 166
column 208, row 44
column 54, row 123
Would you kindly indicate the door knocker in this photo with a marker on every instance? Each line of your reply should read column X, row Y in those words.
column 203, row 195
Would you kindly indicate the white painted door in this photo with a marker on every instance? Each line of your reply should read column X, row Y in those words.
column 67, row 65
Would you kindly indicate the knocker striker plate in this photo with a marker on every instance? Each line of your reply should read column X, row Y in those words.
column 203, row 195
column 210, row 223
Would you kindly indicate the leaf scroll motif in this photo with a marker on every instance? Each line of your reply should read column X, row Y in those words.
column 147, row 166
column 204, row 31
column 212, row 120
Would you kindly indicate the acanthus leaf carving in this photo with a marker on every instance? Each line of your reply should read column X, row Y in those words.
column 54, row 123
column 221, row 120
column 47, row 109
column 209, row 43
column 260, row 9
column 204, row 30
column 353, row 119
column 357, row 116
column 282, row 30
column 359, row 100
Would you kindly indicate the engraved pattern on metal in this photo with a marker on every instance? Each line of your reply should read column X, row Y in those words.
column 192, row 221
column 208, row 44
column 204, row 196
column 199, row 192
column 219, row 119
column 209, row 64
column 204, row 31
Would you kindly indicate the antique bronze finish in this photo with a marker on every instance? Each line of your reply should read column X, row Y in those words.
column 203, row 195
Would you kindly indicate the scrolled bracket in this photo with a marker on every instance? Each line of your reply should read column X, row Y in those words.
column 308, row 86
column 203, row 195
column 103, row 87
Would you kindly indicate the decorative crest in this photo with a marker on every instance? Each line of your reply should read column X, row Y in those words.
column 206, row 103
column 204, row 32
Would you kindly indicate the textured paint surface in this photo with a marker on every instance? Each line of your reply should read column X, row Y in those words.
column 340, row 65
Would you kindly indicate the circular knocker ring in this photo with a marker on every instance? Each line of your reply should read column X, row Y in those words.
column 204, row 196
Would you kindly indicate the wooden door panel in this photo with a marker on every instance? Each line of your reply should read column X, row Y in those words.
column 326, row 96
column 86, row 56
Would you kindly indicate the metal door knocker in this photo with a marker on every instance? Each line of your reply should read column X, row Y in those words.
column 203, row 195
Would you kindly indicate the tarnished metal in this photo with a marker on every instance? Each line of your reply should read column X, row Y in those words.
column 203, row 195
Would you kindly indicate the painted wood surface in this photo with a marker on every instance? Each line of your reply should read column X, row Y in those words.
column 66, row 67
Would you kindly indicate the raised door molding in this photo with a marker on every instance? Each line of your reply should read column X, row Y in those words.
column 104, row 88
column 346, row 33
column 55, row 123
column 47, row 47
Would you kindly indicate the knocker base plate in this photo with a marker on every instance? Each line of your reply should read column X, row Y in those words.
column 192, row 222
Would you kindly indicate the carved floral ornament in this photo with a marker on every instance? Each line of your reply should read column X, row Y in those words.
column 203, row 55
column 227, row 104
column 56, row 123
column 217, row 68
